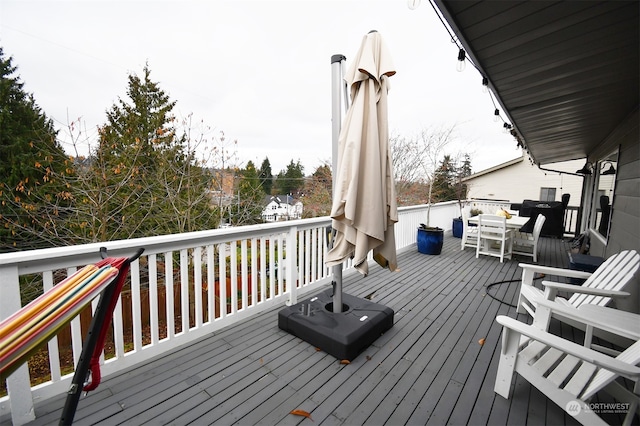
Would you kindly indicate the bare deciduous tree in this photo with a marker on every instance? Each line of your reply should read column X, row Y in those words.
column 416, row 159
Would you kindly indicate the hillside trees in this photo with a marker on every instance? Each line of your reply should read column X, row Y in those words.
column 33, row 191
column 148, row 173
column 291, row 180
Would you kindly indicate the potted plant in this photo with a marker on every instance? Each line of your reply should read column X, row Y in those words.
column 430, row 239
column 430, row 145
column 457, row 227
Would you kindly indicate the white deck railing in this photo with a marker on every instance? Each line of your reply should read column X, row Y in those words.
column 183, row 287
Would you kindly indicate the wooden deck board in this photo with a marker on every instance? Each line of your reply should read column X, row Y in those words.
column 429, row 368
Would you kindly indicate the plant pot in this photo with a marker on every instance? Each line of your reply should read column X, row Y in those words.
column 457, row 227
column 430, row 240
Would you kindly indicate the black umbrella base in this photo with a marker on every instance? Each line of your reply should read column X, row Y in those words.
column 343, row 335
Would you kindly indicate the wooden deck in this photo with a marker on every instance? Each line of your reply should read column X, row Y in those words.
column 428, row 369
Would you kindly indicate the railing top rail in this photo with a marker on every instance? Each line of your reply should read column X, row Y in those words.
column 34, row 261
column 43, row 259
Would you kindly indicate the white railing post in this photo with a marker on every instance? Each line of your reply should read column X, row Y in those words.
column 18, row 383
column 292, row 267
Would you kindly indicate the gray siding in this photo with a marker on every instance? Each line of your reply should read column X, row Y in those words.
column 625, row 218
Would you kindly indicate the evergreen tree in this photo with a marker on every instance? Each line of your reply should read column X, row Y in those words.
column 465, row 168
column 143, row 178
column 266, row 178
column 33, row 197
column 444, row 181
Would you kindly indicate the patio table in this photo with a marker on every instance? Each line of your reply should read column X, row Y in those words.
column 515, row 222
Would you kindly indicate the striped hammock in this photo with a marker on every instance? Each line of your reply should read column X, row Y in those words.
column 24, row 332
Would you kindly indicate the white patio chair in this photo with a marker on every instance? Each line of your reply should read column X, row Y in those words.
column 494, row 239
column 525, row 243
column 599, row 288
column 469, row 233
column 565, row 372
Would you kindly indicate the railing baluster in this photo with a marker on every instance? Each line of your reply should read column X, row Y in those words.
column 168, row 286
column 243, row 273
column 223, row 280
column 184, row 289
column 153, row 298
column 313, row 261
column 118, row 329
column 254, row 271
column 52, row 345
column 76, row 330
column 211, row 284
column 272, row 267
column 280, row 270
column 233, row 253
column 197, row 284
column 305, row 256
column 136, row 305
column 263, row 269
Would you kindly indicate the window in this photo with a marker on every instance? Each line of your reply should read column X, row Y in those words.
column 606, row 179
column 547, row 194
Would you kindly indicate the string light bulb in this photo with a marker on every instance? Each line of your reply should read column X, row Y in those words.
column 496, row 115
column 485, row 84
column 460, row 66
column 413, row 4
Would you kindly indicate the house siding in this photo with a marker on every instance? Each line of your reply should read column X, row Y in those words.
column 625, row 216
column 518, row 181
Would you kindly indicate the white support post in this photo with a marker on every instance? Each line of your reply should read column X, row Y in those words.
column 292, row 267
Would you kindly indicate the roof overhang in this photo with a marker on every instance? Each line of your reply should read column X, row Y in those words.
column 566, row 73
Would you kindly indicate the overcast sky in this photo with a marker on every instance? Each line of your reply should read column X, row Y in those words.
column 259, row 71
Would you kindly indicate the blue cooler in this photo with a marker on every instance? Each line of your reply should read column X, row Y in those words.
column 583, row 262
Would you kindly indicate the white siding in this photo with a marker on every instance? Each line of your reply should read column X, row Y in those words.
column 518, row 181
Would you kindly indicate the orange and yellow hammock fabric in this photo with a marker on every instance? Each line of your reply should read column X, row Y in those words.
column 25, row 331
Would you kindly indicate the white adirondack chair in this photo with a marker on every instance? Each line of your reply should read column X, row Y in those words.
column 526, row 244
column 600, row 287
column 567, row 373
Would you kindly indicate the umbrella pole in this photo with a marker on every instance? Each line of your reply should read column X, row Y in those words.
column 338, row 89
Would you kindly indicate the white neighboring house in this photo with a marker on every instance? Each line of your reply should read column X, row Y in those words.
column 518, row 180
column 282, row 207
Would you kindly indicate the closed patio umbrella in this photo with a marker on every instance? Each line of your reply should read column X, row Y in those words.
column 364, row 208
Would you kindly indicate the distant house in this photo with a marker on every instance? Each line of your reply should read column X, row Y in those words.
column 518, row 180
column 281, row 207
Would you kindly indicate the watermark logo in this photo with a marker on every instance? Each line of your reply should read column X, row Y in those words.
column 574, row 407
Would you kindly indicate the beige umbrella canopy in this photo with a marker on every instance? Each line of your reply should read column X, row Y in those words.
column 364, row 208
